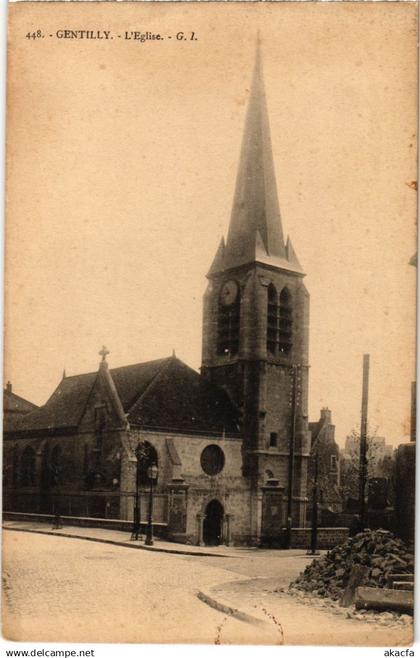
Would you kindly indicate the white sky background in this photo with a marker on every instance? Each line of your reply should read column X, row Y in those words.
column 122, row 178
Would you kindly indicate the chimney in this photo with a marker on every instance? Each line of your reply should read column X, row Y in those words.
column 9, row 387
column 326, row 415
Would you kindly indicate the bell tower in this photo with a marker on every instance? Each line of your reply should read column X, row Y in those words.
column 256, row 319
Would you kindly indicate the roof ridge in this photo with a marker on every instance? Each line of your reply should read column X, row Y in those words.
column 130, row 365
column 143, row 363
column 19, row 397
column 81, row 374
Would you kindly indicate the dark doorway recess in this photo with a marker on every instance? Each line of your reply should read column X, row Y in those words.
column 212, row 529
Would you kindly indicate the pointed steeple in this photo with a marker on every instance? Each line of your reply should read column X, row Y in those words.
column 255, row 231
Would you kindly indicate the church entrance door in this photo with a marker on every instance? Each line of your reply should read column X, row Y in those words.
column 212, row 526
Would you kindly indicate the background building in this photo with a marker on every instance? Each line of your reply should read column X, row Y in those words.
column 325, row 458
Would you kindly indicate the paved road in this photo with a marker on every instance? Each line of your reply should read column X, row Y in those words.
column 70, row 590
column 257, row 563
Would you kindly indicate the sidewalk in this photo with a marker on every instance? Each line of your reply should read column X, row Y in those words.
column 255, row 595
column 120, row 538
column 308, row 620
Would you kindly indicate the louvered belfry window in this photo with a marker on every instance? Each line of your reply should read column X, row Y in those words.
column 279, row 321
column 272, row 319
column 228, row 324
column 285, row 322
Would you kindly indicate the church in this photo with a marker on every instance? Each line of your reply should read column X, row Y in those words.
column 231, row 443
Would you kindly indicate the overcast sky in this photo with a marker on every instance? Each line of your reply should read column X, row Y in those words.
column 121, row 169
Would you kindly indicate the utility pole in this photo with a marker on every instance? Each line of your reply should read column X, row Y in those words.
column 314, row 529
column 294, row 399
column 363, row 444
column 136, row 531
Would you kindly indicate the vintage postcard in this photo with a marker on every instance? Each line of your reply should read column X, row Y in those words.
column 210, row 275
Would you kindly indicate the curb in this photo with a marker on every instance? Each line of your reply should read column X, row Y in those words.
column 228, row 609
column 115, row 542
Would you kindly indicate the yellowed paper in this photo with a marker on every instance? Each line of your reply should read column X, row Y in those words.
column 124, row 131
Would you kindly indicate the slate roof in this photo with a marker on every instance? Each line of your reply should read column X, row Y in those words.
column 315, row 428
column 179, row 399
column 15, row 408
column 161, row 394
column 15, row 404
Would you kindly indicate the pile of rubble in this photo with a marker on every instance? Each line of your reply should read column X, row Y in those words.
column 378, row 550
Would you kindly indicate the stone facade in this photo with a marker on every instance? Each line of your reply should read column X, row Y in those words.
column 230, row 442
column 190, row 489
column 260, row 383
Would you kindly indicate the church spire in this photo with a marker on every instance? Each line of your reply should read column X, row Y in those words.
column 255, row 231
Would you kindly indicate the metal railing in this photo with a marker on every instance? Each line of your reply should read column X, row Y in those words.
column 86, row 504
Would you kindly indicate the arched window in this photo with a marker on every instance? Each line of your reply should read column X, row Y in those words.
column 56, row 464
column 45, row 470
column 228, row 318
column 15, row 473
column 272, row 319
column 285, row 322
column 146, row 456
column 28, row 467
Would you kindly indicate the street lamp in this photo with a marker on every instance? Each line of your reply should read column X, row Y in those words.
column 136, row 532
column 152, row 473
column 294, row 401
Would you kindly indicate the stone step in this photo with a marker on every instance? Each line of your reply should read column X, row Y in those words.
column 399, row 577
column 409, row 586
column 376, row 598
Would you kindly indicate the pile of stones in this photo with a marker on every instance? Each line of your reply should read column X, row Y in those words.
column 378, row 550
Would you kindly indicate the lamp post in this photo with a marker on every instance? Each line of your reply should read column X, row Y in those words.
column 152, row 473
column 293, row 403
column 363, row 444
column 136, row 532
column 314, row 529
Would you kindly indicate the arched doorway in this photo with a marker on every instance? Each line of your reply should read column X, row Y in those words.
column 212, row 525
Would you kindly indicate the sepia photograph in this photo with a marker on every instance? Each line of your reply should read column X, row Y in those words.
column 209, row 401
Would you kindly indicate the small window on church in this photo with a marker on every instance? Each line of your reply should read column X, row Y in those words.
column 333, row 463
column 285, row 322
column 273, row 439
column 146, row 456
column 28, row 467
column 100, row 417
column 228, row 319
column 15, row 474
column 212, row 460
column 56, row 465
column 272, row 319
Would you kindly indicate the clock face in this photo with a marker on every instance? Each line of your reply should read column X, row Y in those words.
column 229, row 293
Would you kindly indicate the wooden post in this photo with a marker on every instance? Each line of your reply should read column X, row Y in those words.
column 314, row 529
column 293, row 404
column 363, row 443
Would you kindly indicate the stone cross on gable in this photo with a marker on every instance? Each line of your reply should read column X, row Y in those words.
column 103, row 353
